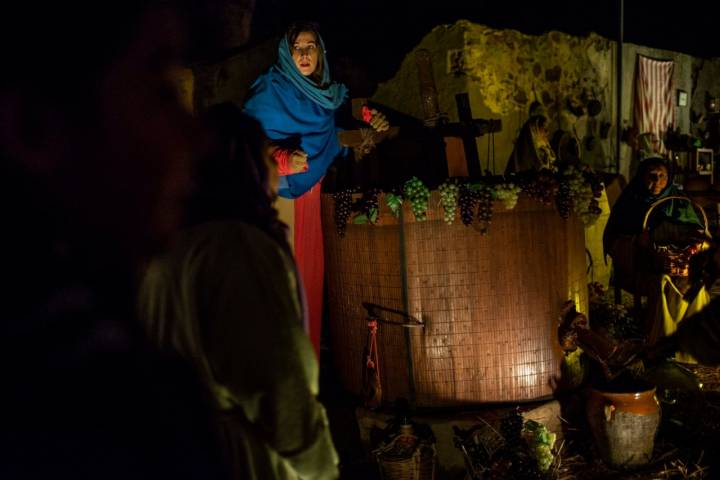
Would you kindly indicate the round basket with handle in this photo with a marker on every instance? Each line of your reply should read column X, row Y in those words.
column 407, row 457
column 672, row 259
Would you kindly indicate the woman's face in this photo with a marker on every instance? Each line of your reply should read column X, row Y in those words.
column 656, row 179
column 305, row 52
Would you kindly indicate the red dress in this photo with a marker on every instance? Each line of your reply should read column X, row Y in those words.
column 309, row 256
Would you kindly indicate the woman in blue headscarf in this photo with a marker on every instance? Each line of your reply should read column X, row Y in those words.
column 295, row 101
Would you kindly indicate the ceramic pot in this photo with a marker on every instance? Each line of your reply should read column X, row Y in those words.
column 624, row 425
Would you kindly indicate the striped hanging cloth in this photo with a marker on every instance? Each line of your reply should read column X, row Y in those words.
column 654, row 106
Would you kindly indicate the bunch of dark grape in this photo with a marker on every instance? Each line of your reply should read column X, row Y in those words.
column 542, row 187
column 592, row 179
column 343, row 209
column 477, row 453
column 528, row 185
column 467, row 200
column 547, row 186
column 418, row 194
column 524, row 467
column 615, row 319
column 563, row 202
column 370, row 206
column 485, row 208
column 511, row 427
column 449, row 193
column 516, row 464
column 519, row 462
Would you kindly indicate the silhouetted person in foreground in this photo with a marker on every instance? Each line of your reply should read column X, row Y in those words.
column 227, row 297
column 94, row 150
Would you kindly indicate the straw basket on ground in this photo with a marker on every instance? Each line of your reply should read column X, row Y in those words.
column 407, row 457
column 489, row 302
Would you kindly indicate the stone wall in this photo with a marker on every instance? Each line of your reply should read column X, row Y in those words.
column 504, row 71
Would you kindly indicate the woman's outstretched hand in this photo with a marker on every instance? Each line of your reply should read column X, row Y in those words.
column 298, row 161
column 289, row 161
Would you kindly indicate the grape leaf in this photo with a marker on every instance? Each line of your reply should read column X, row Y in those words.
column 373, row 215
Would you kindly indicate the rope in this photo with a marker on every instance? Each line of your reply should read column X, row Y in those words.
column 487, row 165
column 368, row 140
column 492, row 135
column 373, row 361
column 372, row 388
column 490, row 154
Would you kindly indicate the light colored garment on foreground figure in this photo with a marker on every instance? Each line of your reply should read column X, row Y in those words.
column 225, row 298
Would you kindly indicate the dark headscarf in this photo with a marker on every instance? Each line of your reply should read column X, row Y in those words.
column 629, row 211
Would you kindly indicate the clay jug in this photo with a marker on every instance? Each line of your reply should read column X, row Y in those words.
column 624, row 423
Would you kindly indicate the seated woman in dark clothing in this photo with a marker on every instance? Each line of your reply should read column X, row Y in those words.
column 672, row 222
column 653, row 182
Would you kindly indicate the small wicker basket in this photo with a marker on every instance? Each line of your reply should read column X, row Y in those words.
column 671, row 259
column 407, row 457
column 478, row 445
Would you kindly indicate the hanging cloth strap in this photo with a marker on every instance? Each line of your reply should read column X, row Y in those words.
column 372, row 389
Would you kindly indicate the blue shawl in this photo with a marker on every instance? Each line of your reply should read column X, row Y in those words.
column 291, row 107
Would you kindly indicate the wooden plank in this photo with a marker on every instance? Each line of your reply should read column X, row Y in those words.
column 455, row 155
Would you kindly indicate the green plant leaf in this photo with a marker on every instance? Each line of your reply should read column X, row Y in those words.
column 373, row 215
column 360, row 219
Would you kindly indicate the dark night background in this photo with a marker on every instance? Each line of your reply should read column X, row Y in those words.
column 379, row 33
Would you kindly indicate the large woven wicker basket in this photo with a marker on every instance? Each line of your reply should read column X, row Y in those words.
column 488, row 302
column 671, row 259
column 407, row 458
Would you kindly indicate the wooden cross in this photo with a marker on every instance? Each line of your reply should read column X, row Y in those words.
column 460, row 145
column 362, row 141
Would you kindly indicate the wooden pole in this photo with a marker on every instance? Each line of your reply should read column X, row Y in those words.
column 619, row 62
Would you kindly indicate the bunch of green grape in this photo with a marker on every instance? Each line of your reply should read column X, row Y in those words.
column 449, row 193
column 540, row 442
column 582, row 195
column 418, row 194
column 507, row 193
column 580, row 191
